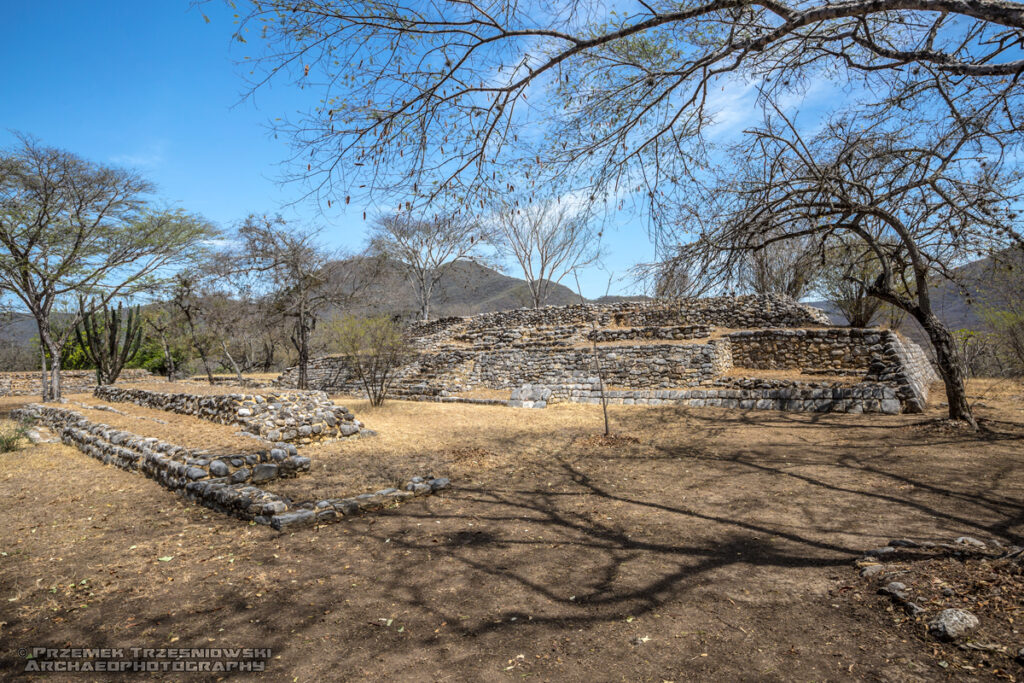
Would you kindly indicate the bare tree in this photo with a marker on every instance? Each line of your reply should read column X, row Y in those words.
column 165, row 322
column 548, row 239
column 374, row 348
column 439, row 96
column 921, row 203
column 426, row 248
column 845, row 280
column 791, row 268
column 69, row 227
column 300, row 278
column 187, row 301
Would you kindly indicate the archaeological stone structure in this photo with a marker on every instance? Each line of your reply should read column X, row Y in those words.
column 297, row 416
column 747, row 352
column 228, row 483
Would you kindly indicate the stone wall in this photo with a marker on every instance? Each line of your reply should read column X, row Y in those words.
column 172, row 466
column 905, row 365
column 449, row 371
column 72, row 381
column 569, row 324
column 814, row 350
column 630, row 366
column 746, row 394
column 222, row 482
column 673, row 332
column 300, row 416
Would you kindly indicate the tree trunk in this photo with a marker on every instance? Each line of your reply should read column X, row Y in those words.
column 951, row 366
column 302, row 346
column 45, row 387
column 55, row 392
column 168, row 358
column 51, row 384
column 234, row 365
column 425, row 304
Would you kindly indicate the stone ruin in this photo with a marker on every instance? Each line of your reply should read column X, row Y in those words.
column 296, row 416
column 747, row 352
column 232, row 483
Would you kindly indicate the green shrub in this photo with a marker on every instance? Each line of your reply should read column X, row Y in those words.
column 12, row 435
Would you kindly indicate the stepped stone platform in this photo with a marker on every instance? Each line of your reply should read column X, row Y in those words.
column 674, row 352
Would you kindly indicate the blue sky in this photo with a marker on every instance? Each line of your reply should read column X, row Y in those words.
column 150, row 85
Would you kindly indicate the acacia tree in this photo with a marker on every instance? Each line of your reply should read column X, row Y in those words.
column 426, row 248
column 70, row 227
column 921, row 205
column 548, row 239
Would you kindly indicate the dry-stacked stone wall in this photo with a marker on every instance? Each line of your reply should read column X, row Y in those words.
column 813, row 350
column 72, row 381
column 299, row 416
column 631, row 366
column 220, row 482
column 902, row 363
column 448, row 371
column 674, row 332
column 746, row 394
column 173, row 466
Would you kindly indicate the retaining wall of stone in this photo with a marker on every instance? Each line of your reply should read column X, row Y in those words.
column 172, row 466
column 836, row 348
column 789, row 395
column 450, row 371
column 904, row 364
column 299, row 416
column 675, row 332
column 220, row 482
column 571, row 323
column 72, row 381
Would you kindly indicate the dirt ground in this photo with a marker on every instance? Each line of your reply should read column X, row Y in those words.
column 701, row 544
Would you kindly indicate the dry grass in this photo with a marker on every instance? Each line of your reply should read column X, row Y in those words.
column 990, row 389
column 484, row 392
column 461, row 441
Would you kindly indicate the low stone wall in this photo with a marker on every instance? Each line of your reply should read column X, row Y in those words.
column 756, row 395
column 172, row 466
column 676, row 332
column 72, row 381
column 222, row 482
column 300, row 416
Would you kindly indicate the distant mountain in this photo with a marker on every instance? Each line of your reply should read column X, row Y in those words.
column 467, row 288
column 17, row 328
column 959, row 307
